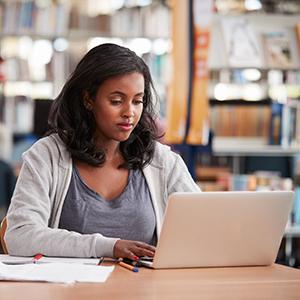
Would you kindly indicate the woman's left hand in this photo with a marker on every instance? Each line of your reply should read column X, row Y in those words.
column 132, row 249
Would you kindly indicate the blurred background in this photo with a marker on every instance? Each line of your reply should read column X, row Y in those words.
column 227, row 74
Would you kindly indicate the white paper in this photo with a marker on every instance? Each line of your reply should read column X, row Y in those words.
column 55, row 272
column 71, row 260
column 25, row 260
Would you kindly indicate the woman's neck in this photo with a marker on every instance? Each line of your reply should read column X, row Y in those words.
column 112, row 153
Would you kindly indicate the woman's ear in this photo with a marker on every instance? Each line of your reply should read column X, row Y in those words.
column 87, row 101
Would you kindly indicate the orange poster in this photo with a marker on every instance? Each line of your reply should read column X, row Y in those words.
column 178, row 91
column 198, row 119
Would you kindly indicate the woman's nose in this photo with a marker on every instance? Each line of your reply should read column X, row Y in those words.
column 128, row 111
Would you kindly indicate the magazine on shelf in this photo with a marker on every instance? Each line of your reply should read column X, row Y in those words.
column 241, row 43
column 278, row 49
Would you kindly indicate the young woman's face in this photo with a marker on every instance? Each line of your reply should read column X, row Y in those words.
column 118, row 107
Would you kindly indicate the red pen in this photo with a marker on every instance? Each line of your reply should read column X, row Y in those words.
column 37, row 257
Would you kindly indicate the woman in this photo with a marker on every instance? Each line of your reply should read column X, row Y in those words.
column 98, row 184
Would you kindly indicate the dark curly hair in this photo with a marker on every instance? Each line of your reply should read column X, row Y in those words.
column 75, row 125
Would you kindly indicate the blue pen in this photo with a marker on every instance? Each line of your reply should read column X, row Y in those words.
column 129, row 267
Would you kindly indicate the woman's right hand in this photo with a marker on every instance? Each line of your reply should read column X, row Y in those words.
column 132, row 249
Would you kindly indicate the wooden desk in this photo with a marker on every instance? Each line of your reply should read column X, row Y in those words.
column 274, row 282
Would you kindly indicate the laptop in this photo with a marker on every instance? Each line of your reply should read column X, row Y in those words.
column 221, row 229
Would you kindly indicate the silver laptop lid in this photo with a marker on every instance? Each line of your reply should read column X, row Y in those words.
column 213, row 229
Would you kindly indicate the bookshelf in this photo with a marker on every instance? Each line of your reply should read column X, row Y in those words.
column 254, row 103
column 253, row 96
column 42, row 41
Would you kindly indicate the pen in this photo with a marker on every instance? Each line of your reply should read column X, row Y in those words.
column 37, row 257
column 107, row 260
column 129, row 267
column 100, row 260
column 131, row 262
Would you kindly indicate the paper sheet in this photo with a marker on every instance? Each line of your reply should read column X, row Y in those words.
column 25, row 260
column 55, row 272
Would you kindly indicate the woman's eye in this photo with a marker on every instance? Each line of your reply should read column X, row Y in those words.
column 115, row 101
column 138, row 101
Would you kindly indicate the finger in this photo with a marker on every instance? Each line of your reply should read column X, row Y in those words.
column 143, row 249
column 128, row 252
column 145, row 246
column 131, row 255
column 143, row 252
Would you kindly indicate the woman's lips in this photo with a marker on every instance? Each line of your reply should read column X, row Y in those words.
column 125, row 126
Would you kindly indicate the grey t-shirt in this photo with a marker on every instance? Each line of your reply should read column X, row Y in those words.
column 130, row 216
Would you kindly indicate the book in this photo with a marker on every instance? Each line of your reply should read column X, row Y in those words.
column 241, row 43
column 275, row 124
column 297, row 126
column 277, row 49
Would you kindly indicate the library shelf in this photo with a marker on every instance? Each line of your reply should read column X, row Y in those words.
column 223, row 146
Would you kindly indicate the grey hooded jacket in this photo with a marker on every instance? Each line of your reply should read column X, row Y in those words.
column 37, row 202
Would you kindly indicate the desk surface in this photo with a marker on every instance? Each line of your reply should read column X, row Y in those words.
column 273, row 282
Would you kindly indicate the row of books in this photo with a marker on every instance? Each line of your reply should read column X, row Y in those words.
column 240, row 121
column 224, row 180
column 149, row 21
column 277, row 123
column 32, row 17
column 18, row 114
column 24, row 82
column 18, row 69
column 22, row 115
